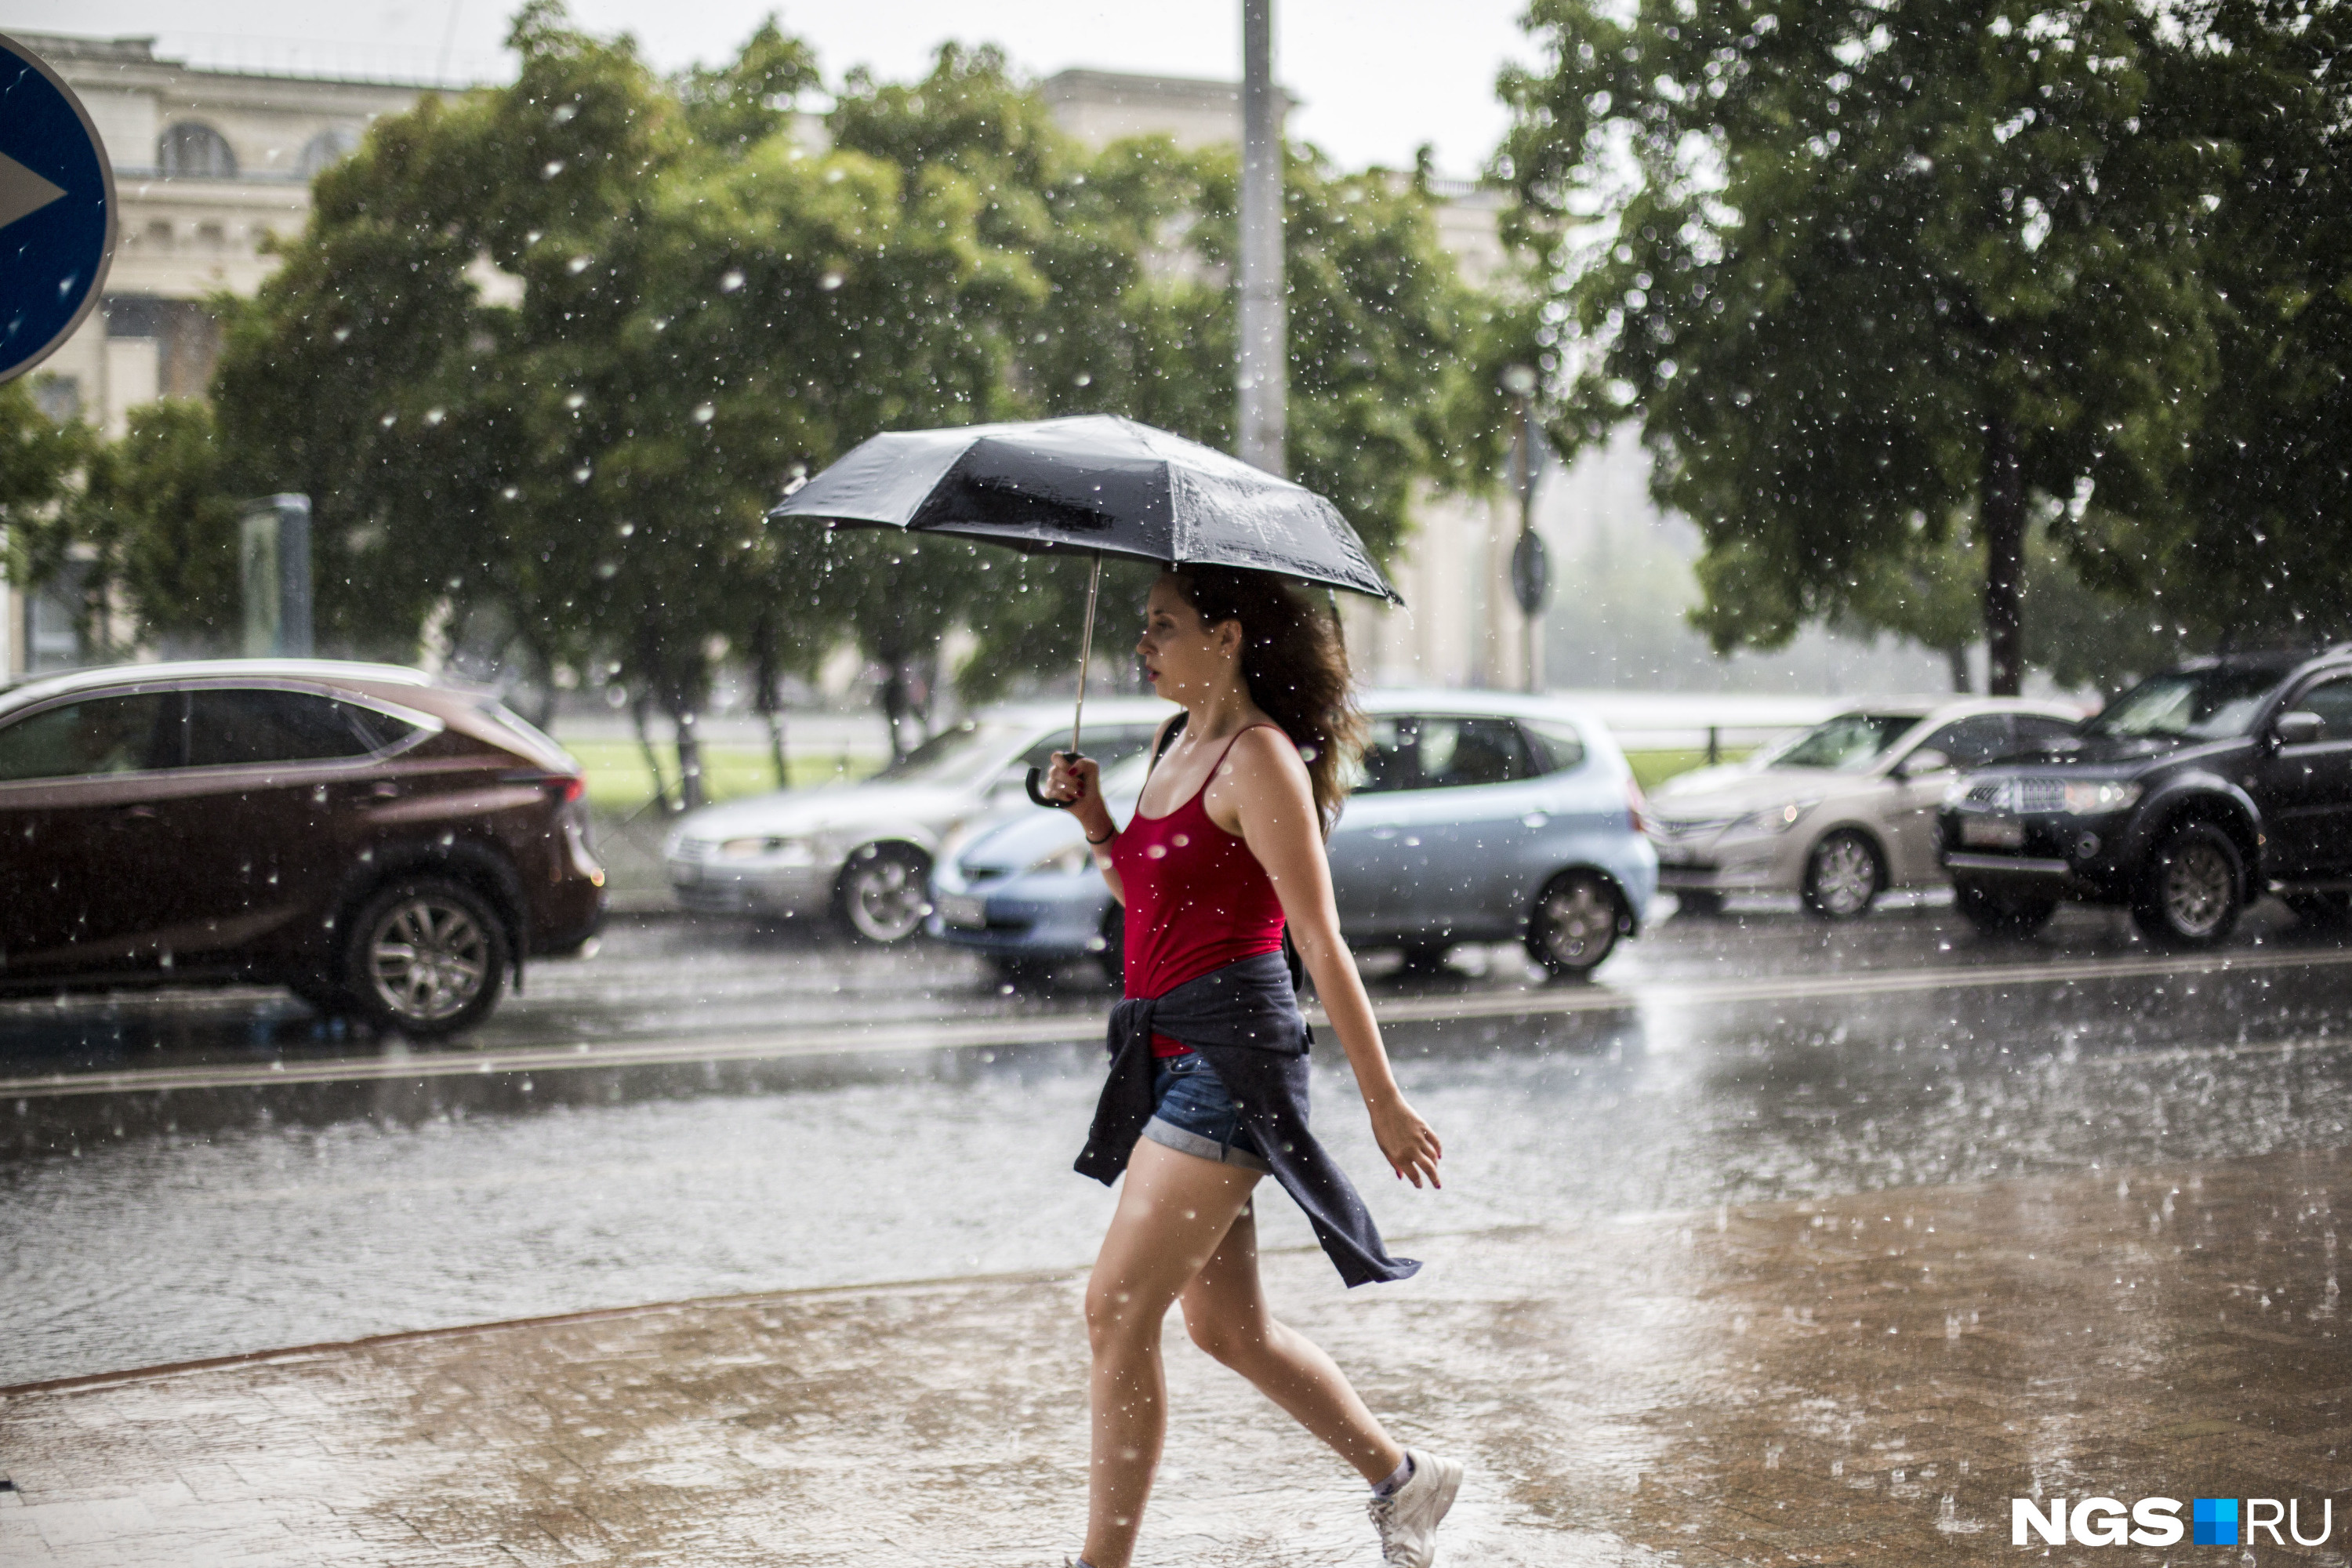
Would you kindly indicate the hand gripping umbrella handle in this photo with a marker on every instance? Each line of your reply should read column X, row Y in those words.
column 1039, row 795
column 1086, row 652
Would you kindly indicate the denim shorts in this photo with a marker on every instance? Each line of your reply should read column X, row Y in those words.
column 1193, row 1115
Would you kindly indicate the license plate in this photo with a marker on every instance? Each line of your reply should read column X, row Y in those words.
column 1992, row 833
column 957, row 909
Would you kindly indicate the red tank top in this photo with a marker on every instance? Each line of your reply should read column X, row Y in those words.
column 1196, row 899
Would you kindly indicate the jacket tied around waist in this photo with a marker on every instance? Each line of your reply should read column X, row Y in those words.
column 1244, row 1021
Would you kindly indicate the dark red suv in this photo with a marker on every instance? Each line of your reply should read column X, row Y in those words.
column 383, row 843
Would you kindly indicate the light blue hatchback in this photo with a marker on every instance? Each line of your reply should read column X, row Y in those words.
column 1479, row 816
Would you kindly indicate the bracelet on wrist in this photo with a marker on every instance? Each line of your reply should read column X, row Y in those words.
column 1104, row 839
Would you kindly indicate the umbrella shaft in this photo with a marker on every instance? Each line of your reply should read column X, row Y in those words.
column 1086, row 649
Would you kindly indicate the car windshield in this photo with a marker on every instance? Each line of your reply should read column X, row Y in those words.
column 960, row 756
column 2192, row 704
column 1848, row 743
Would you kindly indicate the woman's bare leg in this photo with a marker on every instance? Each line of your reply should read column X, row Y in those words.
column 1173, row 1211
column 1226, row 1311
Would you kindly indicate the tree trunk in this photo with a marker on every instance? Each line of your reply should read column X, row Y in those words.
column 2001, row 506
column 641, row 703
column 766, row 677
column 1957, row 657
column 689, row 757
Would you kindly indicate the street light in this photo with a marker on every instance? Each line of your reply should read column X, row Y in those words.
column 1530, row 570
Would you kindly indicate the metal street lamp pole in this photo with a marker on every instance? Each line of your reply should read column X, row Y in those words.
column 1530, row 567
column 1263, row 370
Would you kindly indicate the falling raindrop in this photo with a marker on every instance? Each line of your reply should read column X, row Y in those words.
column 554, row 167
column 830, row 281
column 703, row 413
column 581, row 473
column 730, row 280
column 577, row 266
column 575, row 400
column 434, row 416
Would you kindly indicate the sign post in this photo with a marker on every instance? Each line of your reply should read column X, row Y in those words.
column 56, row 210
column 1530, row 567
column 274, row 565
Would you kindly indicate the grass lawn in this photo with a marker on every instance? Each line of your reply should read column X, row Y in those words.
column 1652, row 769
column 618, row 782
column 617, row 779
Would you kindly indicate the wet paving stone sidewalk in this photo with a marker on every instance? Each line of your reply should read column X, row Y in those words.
column 1868, row 1379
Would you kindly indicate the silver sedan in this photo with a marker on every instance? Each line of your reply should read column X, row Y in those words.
column 862, row 852
column 1840, row 813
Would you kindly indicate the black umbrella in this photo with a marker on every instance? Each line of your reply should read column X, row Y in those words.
column 1096, row 485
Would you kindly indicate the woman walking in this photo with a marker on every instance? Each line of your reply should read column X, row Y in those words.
column 1208, row 1081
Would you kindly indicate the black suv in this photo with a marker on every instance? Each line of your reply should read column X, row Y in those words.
column 2191, row 795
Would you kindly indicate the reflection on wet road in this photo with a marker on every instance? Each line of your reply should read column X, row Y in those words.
column 700, row 1110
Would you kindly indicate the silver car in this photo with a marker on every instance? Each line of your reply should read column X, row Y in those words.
column 1840, row 813
column 862, row 852
column 1478, row 817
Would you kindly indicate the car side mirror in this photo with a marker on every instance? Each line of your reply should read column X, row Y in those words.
column 2299, row 727
column 1925, row 761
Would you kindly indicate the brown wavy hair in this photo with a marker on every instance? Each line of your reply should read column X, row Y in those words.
column 1295, row 668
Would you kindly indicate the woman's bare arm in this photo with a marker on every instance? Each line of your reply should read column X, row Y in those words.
column 1263, row 794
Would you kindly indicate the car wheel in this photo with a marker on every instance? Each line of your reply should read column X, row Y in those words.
column 1426, row 957
column 323, row 996
column 1842, row 875
column 883, row 892
column 1022, row 974
column 2321, row 909
column 1698, row 901
column 426, row 958
column 2193, row 889
column 1575, row 923
column 1995, row 914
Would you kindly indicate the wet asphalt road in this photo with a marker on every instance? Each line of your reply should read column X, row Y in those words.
column 704, row 1108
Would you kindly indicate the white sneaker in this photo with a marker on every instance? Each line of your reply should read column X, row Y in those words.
column 1407, row 1518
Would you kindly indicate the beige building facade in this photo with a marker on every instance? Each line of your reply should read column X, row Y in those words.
column 208, row 164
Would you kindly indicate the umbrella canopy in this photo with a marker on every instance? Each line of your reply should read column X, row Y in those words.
column 1094, row 484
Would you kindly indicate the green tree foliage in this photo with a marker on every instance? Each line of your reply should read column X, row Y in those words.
column 1109, row 292
column 2259, row 545
column 545, row 353
column 1863, row 272
column 40, row 461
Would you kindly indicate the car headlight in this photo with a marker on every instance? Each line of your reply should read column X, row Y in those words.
column 1068, row 860
column 2093, row 799
column 1775, row 818
column 775, row 849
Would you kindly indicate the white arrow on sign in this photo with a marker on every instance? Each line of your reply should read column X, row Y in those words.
column 22, row 191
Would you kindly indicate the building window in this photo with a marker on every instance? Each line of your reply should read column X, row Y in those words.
column 194, row 150
column 325, row 149
column 58, row 397
column 159, row 234
column 134, row 316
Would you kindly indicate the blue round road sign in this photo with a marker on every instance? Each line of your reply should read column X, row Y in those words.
column 56, row 210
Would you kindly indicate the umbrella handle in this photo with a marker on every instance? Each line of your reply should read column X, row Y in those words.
column 1041, row 797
